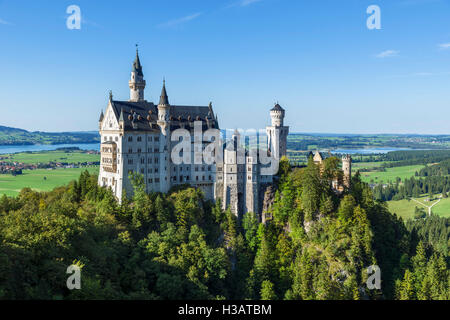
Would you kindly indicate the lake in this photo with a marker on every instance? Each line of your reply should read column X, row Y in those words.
column 368, row 150
column 96, row 146
column 47, row 147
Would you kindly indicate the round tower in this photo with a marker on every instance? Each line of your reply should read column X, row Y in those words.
column 277, row 116
column 277, row 133
column 137, row 82
column 347, row 168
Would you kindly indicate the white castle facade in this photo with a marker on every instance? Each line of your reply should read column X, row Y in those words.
column 136, row 137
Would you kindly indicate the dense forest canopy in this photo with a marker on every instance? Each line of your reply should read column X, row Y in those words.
column 317, row 245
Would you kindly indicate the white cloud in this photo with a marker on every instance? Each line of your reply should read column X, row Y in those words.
column 444, row 45
column 175, row 22
column 387, row 53
column 245, row 3
column 241, row 3
column 418, row 2
column 4, row 22
column 423, row 74
column 90, row 23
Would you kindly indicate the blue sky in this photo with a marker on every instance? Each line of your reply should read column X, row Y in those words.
column 316, row 58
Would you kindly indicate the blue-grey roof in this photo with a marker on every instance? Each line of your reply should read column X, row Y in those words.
column 277, row 108
column 137, row 67
column 143, row 115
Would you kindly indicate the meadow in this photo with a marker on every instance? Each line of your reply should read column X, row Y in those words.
column 442, row 208
column 391, row 174
column 367, row 165
column 40, row 179
column 73, row 157
column 406, row 208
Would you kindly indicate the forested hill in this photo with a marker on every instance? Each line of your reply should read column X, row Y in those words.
column 318, row 245
column 14, row 136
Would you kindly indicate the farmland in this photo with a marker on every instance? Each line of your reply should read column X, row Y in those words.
column 66, row 166
column 54, row 156
column 40, row 179
column 405, row 208
column 391, row 174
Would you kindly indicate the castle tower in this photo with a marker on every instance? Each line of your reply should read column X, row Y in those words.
column 233, row 186
column 347, row 168
column 164, row 144
column 137, row 82
column 277, row 133
column 102, row 116
column 318, row 159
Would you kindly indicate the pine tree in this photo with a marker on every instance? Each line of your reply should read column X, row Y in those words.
column 407, row 291
column 267, row 291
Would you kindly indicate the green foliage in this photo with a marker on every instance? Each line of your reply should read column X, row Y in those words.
column 180, row 246
column 267, row 292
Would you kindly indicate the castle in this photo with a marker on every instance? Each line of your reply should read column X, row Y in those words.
column 136, row 137
column 339, row 184
column 240, row 185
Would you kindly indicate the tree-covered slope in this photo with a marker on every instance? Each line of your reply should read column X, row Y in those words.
column 318, row 245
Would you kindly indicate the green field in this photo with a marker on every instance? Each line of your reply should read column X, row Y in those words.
column 406, row 208
column 367, row 165
column 390, row 174
column 442, row 208
column 403, row 208
column 54, row 156
column 34, row 179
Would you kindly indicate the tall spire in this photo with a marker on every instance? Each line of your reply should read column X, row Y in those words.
column 137, row 67
column 121, row 118
column 137, row 82
column 164, row 99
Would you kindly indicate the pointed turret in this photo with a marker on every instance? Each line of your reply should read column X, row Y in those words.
column 137, row 67
column 121, row 118
column 101, row 117
column 164, row 99
column 137, row 82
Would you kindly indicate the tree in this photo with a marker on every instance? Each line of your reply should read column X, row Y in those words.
column 407, row 291
column 4, row 204
column 311, row 191
column 250, row 225
column 303, row 278
column 348, row 204
column 267, row 291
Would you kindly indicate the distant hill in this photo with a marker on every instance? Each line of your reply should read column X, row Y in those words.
column 11, row 130
column 15, row 136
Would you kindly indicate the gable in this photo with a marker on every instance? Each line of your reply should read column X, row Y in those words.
column 110, row 121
